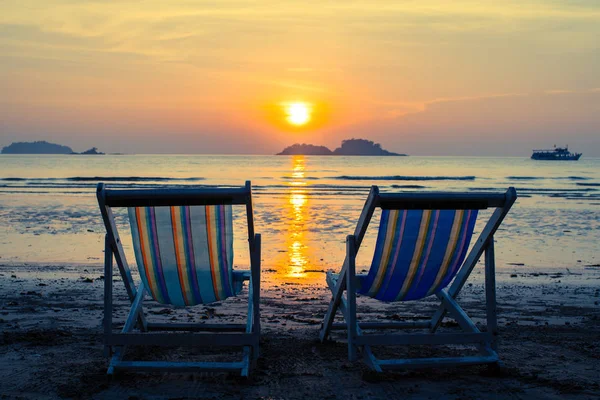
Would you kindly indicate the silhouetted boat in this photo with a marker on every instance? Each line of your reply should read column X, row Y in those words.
column 555, row 154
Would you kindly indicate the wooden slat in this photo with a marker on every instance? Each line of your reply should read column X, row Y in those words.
column 249, row 214
column 490, row 293
column 245, row 362
column 115, row 360
column 436, row 362
column 457, row 312
column 164, row 366
column 108, row 288
column 136, row 308
column 370, row 360
column 248, row 329
column 385, row 325
column 250, row 314
column 253, row 321
column 255, row 281
column 244, row 275
column 441, row 201
column 175, row 197
column 115, row 242
column 365, row 216
column 160, row 326
column 422, row 339
column 351, row 296
column 182, row 339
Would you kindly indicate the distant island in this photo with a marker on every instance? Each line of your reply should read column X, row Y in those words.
column 43, row 147
column 93, row 151
column 307, row 149
column 349, row 147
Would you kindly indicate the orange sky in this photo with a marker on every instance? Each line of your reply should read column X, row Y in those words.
column 427, row 77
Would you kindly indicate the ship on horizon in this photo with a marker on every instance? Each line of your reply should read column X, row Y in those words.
column 555, row 154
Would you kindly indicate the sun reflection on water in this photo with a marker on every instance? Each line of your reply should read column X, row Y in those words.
column 298, row 216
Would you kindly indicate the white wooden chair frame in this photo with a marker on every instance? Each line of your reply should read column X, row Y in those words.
column 246, row 336
column 346, row 281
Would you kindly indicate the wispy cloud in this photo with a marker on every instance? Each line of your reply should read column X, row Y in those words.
column 365, row 60
column 400, row 109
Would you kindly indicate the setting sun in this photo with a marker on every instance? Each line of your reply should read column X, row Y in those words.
column 297, row 113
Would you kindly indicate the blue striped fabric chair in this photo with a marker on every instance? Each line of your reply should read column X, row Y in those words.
column 183, row 245
column 421, row 250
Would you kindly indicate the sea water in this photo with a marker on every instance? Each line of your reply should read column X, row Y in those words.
column 304, row 206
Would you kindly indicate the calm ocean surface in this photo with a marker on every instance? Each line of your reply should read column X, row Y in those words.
column 304, row 205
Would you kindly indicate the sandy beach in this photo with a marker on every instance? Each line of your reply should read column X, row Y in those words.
column 51, row 281
column 51, row 343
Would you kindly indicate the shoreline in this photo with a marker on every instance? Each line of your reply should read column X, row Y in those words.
column 51, row 345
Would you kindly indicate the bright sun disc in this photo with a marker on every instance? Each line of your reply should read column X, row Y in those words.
column 297, row 113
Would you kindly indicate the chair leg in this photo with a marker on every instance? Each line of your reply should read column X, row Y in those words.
column 256, row 295
column 252, row 325
column 108, row 289
column 359, row 233
column 333, row 307
column 490, row 294
column 351, row 296
column 368, row 356
column 246, row 362
column 115, row 360
column 250, row 353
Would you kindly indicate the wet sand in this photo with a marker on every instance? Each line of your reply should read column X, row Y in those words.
column 51, row 342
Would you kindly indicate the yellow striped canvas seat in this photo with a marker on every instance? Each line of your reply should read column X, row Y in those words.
column 184, row 254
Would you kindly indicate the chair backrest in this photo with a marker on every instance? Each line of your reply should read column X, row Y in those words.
column 418, row 252
column 182, row 239
column 184, row 254
column 422, row 241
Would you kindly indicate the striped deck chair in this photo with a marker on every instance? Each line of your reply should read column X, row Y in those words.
column 183, row 245
column 421, row 250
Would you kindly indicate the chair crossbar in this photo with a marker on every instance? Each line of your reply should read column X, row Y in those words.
column 246, row 361
column 370, row 359
column 164, row 366
column 457, row 312
column 423, row 339
column 136, row 308
column 175, row 197
column 181, row 339
column 440, row 201
column 116, row 359
column 436, row 362
column 385, row 325
column 157, row 326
